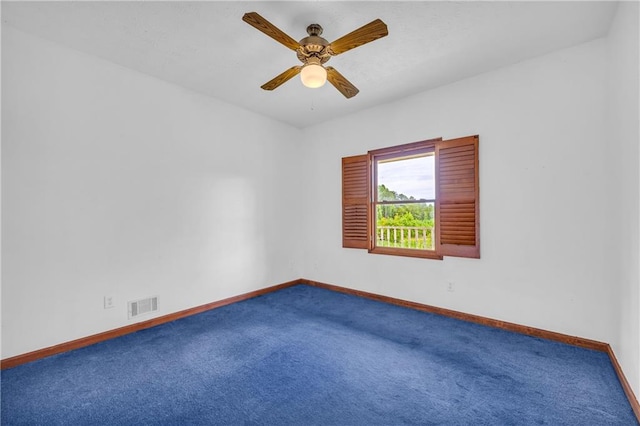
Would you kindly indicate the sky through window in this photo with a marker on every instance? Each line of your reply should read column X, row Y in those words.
column 413, row 177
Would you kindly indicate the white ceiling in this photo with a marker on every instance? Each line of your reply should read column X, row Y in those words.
column 206, row 47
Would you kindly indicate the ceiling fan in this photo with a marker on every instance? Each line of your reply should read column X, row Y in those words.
column 313, row 51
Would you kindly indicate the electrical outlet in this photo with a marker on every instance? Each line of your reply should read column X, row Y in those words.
column 450, row 287
column 108, row 302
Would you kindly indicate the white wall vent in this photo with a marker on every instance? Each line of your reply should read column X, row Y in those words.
column 143, row 306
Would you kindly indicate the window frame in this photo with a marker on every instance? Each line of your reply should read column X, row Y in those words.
column 399, row 151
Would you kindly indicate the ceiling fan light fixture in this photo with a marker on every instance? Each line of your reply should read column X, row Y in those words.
column 313, row 76
column 313, row 51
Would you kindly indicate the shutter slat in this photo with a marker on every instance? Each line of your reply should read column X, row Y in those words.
column 457, row 158
column 462, row 186
column 456, row 165
column 454, row 176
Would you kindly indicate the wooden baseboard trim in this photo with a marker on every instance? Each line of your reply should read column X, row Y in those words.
column 100, row 337
column 530, row 331
column 635, row 406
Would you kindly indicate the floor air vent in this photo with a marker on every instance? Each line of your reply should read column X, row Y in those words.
column 143, row 306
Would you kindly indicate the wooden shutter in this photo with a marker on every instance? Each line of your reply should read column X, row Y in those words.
column 355, row 202
column 457, row 198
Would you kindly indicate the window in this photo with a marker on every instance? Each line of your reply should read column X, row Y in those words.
column 403, row 199
column 419, row 199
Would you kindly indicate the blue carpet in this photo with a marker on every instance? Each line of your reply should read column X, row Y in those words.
column 305, row 356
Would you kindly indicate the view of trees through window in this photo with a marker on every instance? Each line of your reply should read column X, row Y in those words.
column 406, row 221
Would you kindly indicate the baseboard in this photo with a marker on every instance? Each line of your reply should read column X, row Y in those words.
column 522, row 329
column 100, row 337
column 530, row 331
column 625, row 384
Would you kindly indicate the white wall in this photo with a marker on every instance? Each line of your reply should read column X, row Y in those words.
column 115, row 183
column 624, row 163
column 544, row 255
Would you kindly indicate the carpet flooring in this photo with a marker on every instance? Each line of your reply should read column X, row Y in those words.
column 309, row 356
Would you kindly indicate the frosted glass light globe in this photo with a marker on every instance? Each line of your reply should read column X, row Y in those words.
column 313, row 76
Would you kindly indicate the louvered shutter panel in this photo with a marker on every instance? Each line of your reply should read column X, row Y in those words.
column 355, row 202
column 457, row 198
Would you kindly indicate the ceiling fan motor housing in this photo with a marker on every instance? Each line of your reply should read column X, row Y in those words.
column 313, row 45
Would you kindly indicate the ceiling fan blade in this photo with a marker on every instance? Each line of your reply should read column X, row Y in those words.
column 282, row 78
column 259, row 23
column 363, row 35
column 342, row 84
